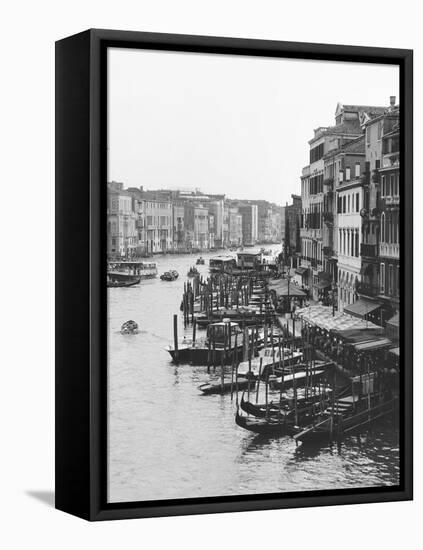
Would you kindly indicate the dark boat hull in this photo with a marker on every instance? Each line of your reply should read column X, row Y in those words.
column 264, row 426
column 118, row 284
column 226, row 387
column 200, row 356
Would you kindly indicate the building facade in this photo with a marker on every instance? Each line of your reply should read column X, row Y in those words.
column 122, row 235
column 249, row 214
column 155, row 226
column 197, row 233
column 380, row 283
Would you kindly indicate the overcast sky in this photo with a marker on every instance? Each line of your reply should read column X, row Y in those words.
column 227, row 124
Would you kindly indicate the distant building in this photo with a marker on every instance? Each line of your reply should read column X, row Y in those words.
column 197, row 226
column 155, row 226
column 179, row 241
column 249, row 223
column 217, row 209
column 291, row 235
column 122, row 235
column 235, row 227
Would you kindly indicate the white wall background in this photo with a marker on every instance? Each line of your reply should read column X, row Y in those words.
column 28, row 32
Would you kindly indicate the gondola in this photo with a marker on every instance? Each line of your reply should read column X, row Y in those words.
column 122, row 281
column 217, row 387
column 279, row 426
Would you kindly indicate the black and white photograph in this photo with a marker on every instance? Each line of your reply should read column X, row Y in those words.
column 253, row 275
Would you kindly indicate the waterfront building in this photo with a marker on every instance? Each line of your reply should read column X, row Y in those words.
column 249, row 223
column 317, row 197
column 264, row 215
column 235, row 227
column 155, row 226
column 291, row 237
column 379, row 288
column 349, row 204
column 179, row 243
column 342, row 202
column 216, row 207
column 122, row 237
column 197, row 232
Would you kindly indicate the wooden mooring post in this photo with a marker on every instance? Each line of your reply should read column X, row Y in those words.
column 175, row 337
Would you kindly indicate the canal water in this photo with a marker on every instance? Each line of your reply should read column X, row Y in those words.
column 166, row 440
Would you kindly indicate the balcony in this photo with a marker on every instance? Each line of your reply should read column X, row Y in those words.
column 392, row 200
column 391, row 160
column 367, row 289
column 389, row 250
column 368, row 250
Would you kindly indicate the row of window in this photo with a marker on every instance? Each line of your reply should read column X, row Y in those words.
column 316, row 153
column 357, row 172
column 312, row 250
column 349, row 242
column 389, row 227
column 390, row 185
column 349, row 203
column 158, row 220
column 316, row 184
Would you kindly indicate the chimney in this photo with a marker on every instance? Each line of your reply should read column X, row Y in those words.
column 392, row 100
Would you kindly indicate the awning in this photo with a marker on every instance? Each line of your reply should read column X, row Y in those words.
column 281, row 288
column 392, row 327
column 394, row 321
column 395, row 351
column 324, row 276
column 321, row 285
column 361, row 308
column 301, row 270
column 373, row 345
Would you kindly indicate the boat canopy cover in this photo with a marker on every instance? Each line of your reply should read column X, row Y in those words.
column 373, row 345
column 357, row 335
column 361, row 308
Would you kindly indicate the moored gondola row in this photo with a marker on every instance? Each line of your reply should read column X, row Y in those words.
column 313, row 386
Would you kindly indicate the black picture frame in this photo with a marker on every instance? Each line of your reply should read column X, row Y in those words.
column 80, row 263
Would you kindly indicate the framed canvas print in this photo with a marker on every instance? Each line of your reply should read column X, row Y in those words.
column 234, row 274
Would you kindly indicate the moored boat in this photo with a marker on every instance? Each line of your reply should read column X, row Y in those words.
column 224, row 341
column 143, row 270
column 226, row 386
column 117, row 279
